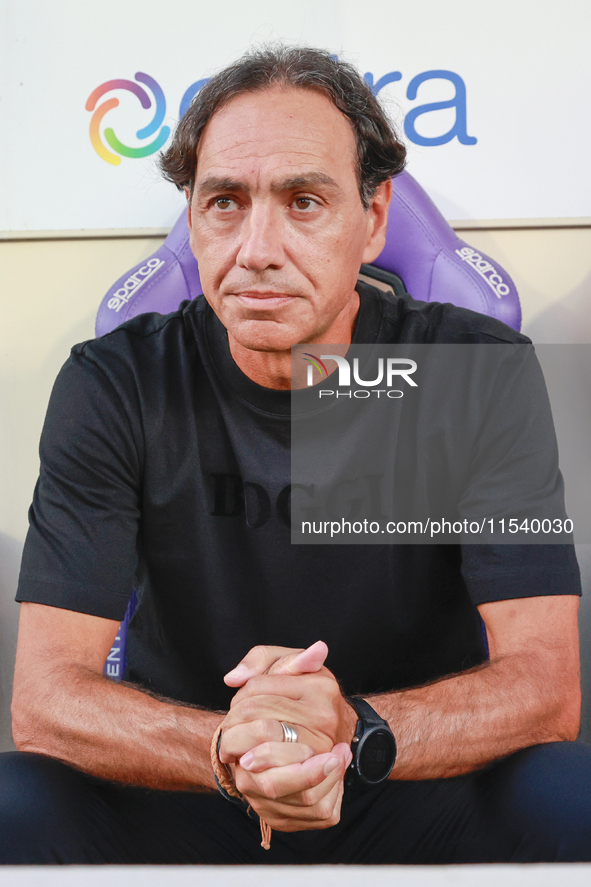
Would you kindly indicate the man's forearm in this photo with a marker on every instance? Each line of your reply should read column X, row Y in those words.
column 115, row 731
column 464, row 722
column 528, row 693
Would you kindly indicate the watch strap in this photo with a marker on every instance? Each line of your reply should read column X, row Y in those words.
column 366, row 712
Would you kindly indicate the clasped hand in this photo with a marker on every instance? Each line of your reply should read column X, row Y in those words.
column 291, row 785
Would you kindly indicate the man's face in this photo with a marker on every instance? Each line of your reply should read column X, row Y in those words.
column 276, row 220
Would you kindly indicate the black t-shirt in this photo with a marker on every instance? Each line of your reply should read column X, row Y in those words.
column 165, row 468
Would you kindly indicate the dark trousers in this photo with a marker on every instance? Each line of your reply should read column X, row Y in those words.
column 534, row 806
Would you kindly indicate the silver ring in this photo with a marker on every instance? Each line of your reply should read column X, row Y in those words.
column 290, row 734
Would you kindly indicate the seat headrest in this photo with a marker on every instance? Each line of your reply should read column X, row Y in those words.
column 421, row 248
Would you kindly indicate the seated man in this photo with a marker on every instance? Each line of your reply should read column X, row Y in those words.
column 157, row 434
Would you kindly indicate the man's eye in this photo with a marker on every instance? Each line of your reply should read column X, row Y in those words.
column 224, row 203
column 305, row 203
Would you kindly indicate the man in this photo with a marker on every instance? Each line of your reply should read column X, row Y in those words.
column 286, row 158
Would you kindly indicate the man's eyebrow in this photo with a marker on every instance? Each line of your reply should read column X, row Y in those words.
column 309, row 180
column 213, row 184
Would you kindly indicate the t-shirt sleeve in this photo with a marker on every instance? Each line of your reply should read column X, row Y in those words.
column 502, row 572
column 516, row 475
column 80, row 551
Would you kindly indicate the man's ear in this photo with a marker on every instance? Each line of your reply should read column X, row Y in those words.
column 378, row 221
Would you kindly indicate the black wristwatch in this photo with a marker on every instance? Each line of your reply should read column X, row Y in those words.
column 373, row 747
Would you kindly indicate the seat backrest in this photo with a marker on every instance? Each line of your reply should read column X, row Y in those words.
column 421, row 248
column 438, row 266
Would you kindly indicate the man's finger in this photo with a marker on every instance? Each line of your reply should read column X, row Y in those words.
column 277, row 660
column 311, row 687
column 294, row 779
column 256, row 662
column 242, row 737
column 289, row 817
column 308, row 661
column 275, row 754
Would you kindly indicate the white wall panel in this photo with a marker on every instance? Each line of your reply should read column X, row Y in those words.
column 523, row 65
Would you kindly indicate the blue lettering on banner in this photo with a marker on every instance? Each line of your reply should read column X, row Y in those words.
column 189, row 94
column 459, row 129
column 392, row 77
column 458, row 102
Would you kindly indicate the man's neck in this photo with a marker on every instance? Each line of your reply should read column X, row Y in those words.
column 273, row 369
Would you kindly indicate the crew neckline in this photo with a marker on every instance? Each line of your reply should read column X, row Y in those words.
column 367, row 330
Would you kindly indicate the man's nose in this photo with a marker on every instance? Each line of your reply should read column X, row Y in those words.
column 262, row 243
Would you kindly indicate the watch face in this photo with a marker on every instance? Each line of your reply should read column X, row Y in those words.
column 376, row 755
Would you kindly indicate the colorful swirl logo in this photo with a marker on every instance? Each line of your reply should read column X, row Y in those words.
column 144, row 133
column 315, row 361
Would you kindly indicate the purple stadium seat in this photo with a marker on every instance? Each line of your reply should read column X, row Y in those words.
column 421, row 249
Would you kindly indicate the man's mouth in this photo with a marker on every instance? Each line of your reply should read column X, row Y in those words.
column 263, row 300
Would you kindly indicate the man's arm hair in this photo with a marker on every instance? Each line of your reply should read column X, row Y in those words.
column 528, row 693
column 64, row 707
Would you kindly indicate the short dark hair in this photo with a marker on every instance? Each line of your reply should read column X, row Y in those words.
column 380, row 153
